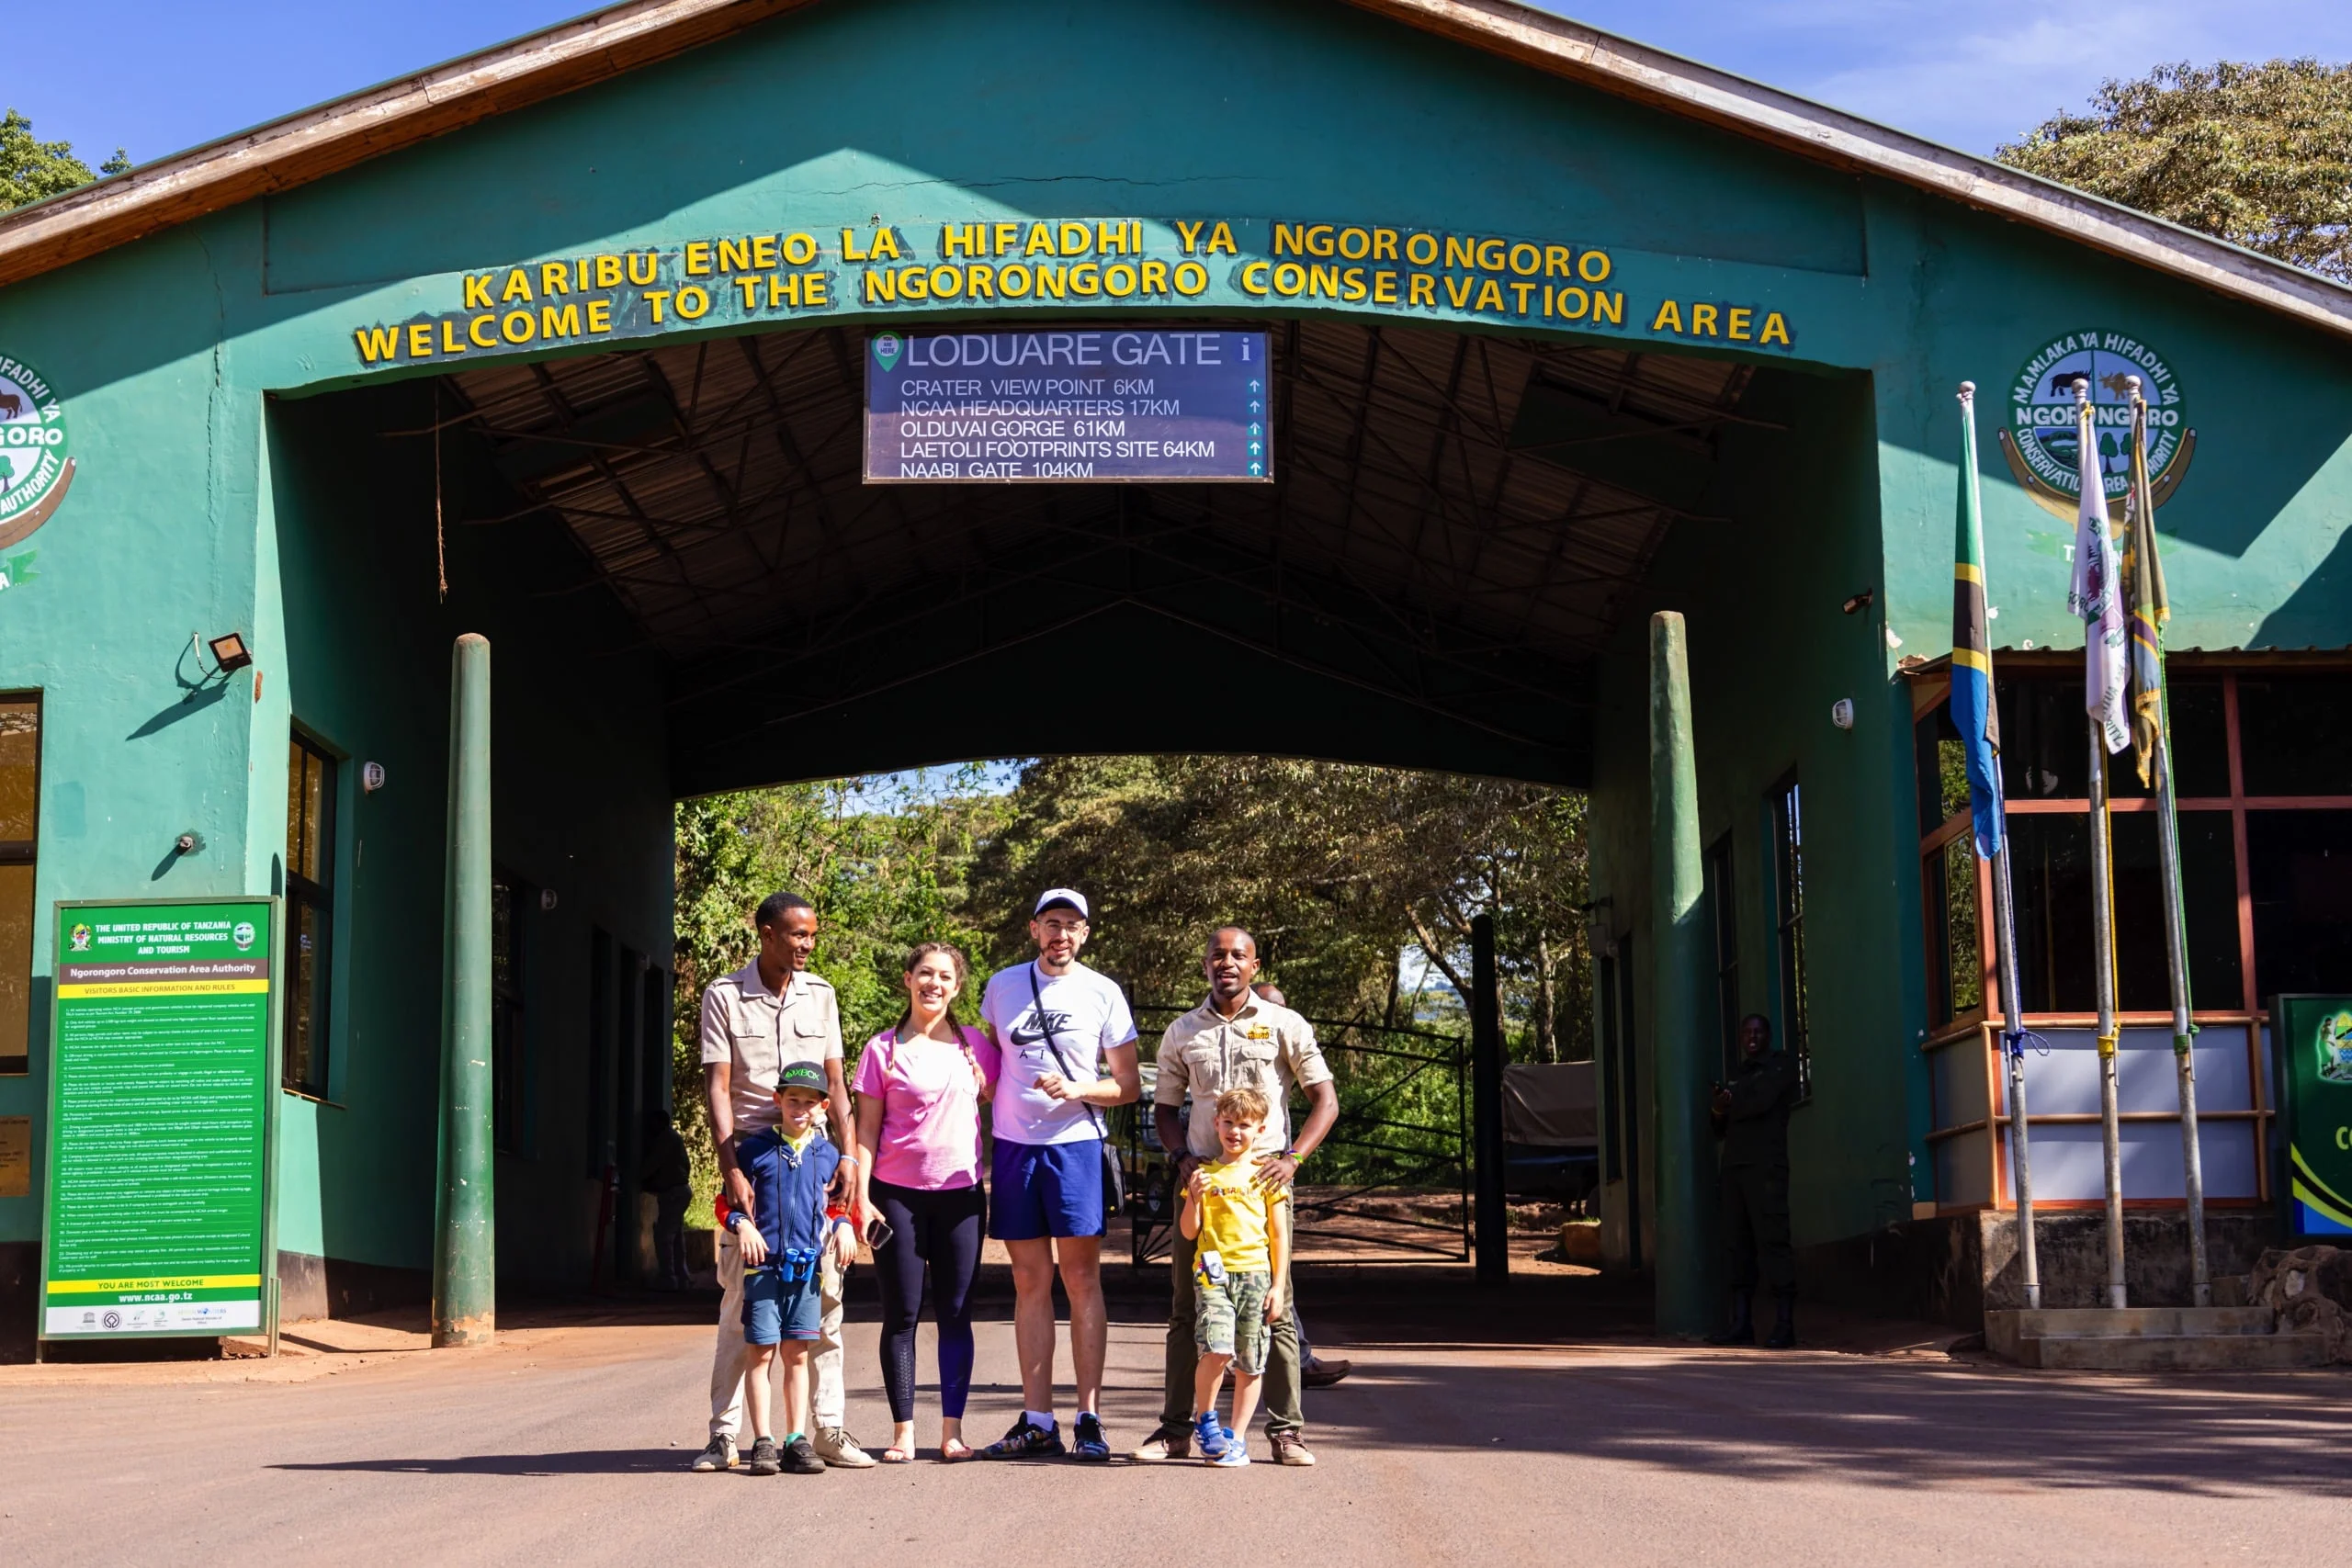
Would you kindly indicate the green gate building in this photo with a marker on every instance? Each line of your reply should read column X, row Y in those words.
column 564, row 344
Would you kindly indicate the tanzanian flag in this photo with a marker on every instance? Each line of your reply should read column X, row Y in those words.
column 1973, row 713
column 2144, row 571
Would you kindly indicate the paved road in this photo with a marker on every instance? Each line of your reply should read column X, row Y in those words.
column 567, row 1443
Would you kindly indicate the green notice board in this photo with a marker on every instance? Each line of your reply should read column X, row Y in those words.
column 158, row 1216
column 2311, row 1052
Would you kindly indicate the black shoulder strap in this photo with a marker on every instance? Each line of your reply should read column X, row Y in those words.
column 1038, row 999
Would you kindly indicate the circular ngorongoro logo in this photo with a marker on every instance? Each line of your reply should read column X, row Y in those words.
column 36, row 466
column 242, row 935
column 2043, row 420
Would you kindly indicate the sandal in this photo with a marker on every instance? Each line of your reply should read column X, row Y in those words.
column 955, row 1452
column 896, row 1456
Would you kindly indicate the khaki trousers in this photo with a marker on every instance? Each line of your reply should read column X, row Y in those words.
column 1280, row 1395
column 728, row 1354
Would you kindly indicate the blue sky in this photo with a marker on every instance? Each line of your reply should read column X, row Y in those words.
column 158, row 77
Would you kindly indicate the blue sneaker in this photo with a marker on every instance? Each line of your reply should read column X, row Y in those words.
column 1235, row 1454
column 1210, row 1434
column 1091, row 1442
column 1026, row 1440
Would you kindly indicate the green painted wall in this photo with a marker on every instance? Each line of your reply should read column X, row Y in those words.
column 1771, row 651
column 198, row 509
column 581, row 801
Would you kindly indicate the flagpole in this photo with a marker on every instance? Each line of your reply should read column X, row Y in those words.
column 1980, row 725
column 2184, row 1035
column 2005, row 948
column 2103, row 944
column 2102, row 887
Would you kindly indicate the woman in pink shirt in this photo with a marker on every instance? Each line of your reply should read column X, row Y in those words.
column 920, row 1086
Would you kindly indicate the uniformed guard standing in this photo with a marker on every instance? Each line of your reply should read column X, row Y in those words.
column 1752, row 1117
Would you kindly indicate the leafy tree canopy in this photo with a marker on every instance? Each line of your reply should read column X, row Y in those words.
column 2260, row 155
column 31, row 170
column 1351, row 878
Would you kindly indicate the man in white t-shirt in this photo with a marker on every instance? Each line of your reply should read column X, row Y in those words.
column 1058, row 1024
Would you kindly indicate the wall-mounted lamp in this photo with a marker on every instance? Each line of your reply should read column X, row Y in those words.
column 371, row 776
column 231, row 653
column 1841, row 713
column 187, row 843
column 546, row 898
column 1860, row 601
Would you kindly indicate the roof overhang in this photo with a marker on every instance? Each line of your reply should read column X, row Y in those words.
column 608, row 44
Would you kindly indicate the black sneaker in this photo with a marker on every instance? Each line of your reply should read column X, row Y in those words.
column 1027, row 1440
column 1091, row 1443
column 800, row 1459
column 764, row 1457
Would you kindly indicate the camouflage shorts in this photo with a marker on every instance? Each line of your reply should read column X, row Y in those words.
column 1229, row 1319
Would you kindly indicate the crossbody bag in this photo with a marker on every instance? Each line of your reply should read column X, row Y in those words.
column 1114, row 1181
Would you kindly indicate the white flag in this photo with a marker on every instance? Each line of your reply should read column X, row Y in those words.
column 2097, row 597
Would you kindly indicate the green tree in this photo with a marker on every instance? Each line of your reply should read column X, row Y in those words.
column 2260, row 155
column 32, row 170
column 1349, row 876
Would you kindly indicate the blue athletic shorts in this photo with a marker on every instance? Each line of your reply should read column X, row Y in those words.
column 775, row 1309
column 1046, row 1189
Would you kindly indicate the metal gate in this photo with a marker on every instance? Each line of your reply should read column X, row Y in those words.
column 1402, row 1140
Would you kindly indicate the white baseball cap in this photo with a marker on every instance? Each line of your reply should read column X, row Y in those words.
column 1070, row 896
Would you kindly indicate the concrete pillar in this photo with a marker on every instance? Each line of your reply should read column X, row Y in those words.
column 1682, row 1028
column 464, row 1247
column 1487, row 1106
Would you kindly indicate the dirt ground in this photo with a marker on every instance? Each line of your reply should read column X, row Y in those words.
column 1536, row 1423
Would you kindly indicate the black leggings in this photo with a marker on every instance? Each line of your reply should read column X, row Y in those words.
column 941, row 1229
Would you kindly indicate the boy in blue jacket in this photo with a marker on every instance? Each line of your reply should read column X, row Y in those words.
column 783, row 1239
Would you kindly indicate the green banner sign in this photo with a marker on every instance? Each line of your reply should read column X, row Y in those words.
column 162, row 1095
column 2310, row 1046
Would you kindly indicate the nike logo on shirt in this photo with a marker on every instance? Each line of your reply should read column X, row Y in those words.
column 1040, row 1025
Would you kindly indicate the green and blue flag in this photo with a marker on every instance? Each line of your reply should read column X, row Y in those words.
column 1973, row 712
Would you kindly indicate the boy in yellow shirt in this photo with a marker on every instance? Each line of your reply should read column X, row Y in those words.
column 1238, row 1264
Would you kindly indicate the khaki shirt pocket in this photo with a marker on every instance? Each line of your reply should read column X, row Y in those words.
column 804, row 1040
column 1257, row 1064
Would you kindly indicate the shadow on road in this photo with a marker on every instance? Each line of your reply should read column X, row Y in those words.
column 1765, row 1417
column 585, row 1461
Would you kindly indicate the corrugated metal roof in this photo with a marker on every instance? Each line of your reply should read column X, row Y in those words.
column 716, row 485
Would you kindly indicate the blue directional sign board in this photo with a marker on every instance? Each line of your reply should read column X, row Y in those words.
column 1085, row 405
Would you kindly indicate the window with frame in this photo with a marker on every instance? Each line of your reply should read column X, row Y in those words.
column 308, row 983
column 19, row 815
column 1723, row 897
column 1788, row 866
column 2262, row 776
column 1949, row 875
column 1604, row 1029
column 509, row 899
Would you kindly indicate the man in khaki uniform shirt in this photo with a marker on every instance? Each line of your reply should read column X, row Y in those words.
column 766, row 1015
column 1236, row 1039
